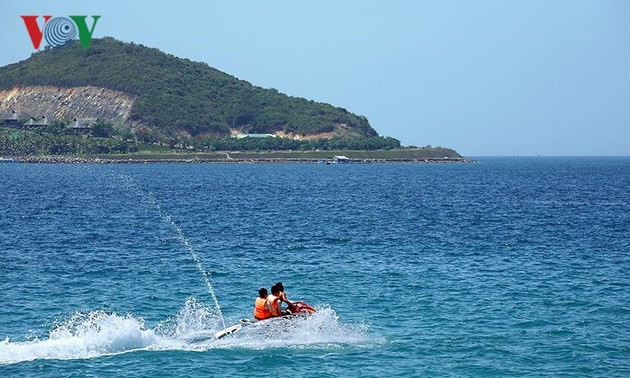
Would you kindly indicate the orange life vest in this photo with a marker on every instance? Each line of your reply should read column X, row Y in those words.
column 260, row 309
column 275, row 306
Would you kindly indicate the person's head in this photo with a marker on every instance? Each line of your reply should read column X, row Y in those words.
column 275, row 290
column 280, row 286
column 263, row 292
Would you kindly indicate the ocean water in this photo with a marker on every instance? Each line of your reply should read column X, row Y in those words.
column 506, row 267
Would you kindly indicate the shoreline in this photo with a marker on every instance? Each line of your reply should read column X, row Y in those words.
column 224, row 160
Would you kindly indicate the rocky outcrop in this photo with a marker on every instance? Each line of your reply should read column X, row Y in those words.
column 68, row 103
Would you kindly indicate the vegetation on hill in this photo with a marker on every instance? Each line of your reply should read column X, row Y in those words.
column 31, row 143
column 58, row 139
column 176, row 96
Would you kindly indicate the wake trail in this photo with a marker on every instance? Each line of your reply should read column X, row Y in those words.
column 96, row 334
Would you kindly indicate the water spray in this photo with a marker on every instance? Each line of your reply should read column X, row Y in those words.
column 151, row 201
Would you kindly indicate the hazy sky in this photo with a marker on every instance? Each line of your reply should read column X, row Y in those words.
column 483, row 77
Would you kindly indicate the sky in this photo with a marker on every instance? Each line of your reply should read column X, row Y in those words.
column 486, row 78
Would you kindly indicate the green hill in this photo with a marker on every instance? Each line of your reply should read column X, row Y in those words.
column 175, row 95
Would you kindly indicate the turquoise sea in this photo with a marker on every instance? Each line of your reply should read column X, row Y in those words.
column 505, row 267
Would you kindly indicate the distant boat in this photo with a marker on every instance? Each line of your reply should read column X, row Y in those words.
column 341, row 159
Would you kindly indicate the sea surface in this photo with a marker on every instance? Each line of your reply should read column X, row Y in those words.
column 505, row 267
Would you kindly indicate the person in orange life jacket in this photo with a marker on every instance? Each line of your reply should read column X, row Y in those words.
column 261, row 311
column 274, row 302
column 283, row 296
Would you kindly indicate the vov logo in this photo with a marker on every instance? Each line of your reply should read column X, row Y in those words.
column 58, row 31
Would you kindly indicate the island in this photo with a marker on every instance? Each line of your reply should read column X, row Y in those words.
column 125, row 102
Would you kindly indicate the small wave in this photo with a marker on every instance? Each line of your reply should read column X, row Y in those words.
column 98, row 333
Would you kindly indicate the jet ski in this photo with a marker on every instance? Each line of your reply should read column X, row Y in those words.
column 299, row 310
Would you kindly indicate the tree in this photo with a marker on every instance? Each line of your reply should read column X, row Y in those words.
column 102, row 129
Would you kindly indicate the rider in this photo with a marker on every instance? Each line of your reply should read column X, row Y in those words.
column 283, row 296
column 261, row 311
column 274, row 302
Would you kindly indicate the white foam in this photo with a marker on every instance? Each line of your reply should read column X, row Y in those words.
column 84, row 335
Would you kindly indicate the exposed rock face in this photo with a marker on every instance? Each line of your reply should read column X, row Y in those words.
column 68, row 103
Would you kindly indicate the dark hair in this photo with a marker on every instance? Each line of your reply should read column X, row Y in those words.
column 262, row 292
column 280, row 286
column 275, row 289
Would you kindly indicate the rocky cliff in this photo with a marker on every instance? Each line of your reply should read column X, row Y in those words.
column 68, row 103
